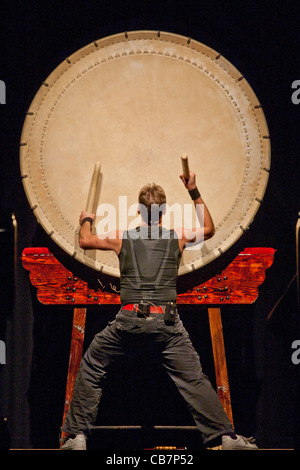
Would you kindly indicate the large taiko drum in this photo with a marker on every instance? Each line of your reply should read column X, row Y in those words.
column 135, row 102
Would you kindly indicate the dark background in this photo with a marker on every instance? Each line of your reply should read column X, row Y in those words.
column 262, row 40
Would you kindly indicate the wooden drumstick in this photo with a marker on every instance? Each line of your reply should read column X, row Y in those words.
column 93, row 192
column 185, row 166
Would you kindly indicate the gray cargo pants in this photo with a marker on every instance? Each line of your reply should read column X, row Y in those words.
column 178, row 357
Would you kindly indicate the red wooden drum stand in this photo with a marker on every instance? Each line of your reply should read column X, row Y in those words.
column 237, row 284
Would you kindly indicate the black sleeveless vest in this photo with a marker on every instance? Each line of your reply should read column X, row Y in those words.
column 149, row 261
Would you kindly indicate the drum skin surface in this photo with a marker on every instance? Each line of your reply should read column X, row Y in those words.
column 135, row 102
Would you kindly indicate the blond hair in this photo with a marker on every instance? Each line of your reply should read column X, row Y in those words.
column 152, row 201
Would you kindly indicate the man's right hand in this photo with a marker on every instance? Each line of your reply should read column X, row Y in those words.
column 191, row 183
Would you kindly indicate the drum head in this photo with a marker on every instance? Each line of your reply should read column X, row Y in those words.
column 135, row 102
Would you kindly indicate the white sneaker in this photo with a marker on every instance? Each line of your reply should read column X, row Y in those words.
column 75, row 443
column 240, row 443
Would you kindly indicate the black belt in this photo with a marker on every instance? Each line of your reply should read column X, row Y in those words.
column 144, row 309
column 141, row 307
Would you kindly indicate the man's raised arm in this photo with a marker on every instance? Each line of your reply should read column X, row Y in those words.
column 207, row 228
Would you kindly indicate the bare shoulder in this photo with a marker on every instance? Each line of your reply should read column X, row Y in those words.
column 179, row 232
column 116, row 235
column 184, row 233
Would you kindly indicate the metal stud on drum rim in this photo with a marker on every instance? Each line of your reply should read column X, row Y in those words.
column 135, row 102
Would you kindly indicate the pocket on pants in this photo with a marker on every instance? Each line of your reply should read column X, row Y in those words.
column 130, row 324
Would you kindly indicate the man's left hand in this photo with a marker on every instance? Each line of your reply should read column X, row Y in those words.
column 85, row 214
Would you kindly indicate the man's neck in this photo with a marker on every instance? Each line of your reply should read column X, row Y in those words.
column 143, row 224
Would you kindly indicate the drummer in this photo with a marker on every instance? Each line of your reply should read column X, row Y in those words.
column 149, row 268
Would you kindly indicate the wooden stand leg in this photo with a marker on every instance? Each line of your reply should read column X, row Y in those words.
column 77, row 339
column 216, row 331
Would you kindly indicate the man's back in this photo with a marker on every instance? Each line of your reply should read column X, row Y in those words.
column 149, row 261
